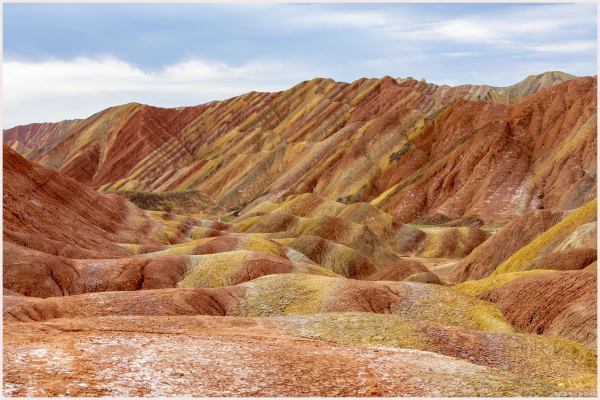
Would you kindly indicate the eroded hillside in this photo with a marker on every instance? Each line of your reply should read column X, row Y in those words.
column 392, row 143
column 387, row 237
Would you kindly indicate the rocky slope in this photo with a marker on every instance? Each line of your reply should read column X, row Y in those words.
column 387, row 237
column 390, row 142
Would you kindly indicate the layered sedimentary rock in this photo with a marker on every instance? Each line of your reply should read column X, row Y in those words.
column 554, row 303
column 383, row 237
column 391, row 142
column 90, row 242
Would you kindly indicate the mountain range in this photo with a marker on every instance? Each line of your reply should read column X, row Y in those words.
column 385, row 237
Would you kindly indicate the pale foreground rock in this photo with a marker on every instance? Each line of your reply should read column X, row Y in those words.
column 232, row 356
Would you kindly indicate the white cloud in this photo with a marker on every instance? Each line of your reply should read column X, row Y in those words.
column 514, row 25
column 56, row 89
column 530, row 25
column 461, row 30
column 512, row 42
column 567, row 47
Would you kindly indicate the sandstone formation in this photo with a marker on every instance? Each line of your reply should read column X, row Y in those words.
column 385, row 237
column 556, row 303
column 390, row 142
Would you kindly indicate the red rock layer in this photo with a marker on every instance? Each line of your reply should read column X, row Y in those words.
column 411, row 148
column 503, row 244
column 557, row 303
column 570, row 259
column 398, row 272
column 494, row 162
column 46, row 211
column 37, row 136
column 37, row 274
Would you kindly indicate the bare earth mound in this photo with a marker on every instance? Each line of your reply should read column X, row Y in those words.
column 557, row 303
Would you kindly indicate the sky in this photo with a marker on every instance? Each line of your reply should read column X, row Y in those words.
column 64, row 61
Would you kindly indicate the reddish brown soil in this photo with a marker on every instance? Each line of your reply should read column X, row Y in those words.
column 504, row 243
column 433, row 151
column 473, row 159
column 38, row 135
column 218, row 245
column 571, row 259
column 357, row 266
column 49, row 212
column 232, row 357
column 398, row 272
column 557, row 303
column 270, row 295
column 141, row 302
column 261, row 265
column 89, row 311
column 39, row 274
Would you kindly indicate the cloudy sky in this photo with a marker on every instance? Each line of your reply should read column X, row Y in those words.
column 71, row 60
